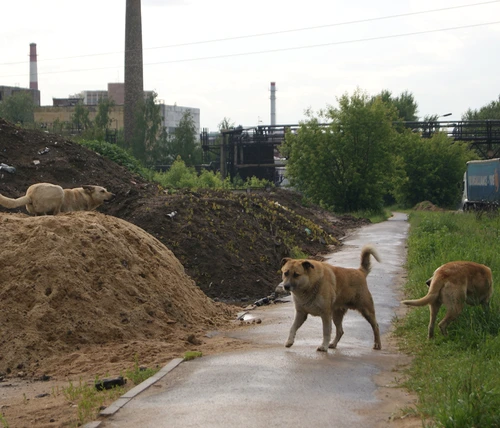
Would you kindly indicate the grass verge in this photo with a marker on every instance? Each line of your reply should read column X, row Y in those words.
column 456, row 377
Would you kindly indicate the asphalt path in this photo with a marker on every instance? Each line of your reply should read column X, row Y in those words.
column 273, row 386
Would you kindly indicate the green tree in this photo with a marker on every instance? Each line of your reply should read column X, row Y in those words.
column 347, row 165
column 185, row 142
column 225, row 123
column 489, row 111
column 80, row 119
column 434, row 169
column 18, row 108
column 404, row 104
column 102, row 120
column 147, row 131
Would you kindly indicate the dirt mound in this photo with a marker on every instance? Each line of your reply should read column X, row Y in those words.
column 426, row 206
column 230, row 243
column 87, row 279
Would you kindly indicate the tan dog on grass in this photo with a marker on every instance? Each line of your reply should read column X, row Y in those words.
column 453, row 285
column 46, row 198
column 327, row 291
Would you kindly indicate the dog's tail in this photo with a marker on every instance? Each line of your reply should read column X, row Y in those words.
column 366, row 265
column 14, row 203
column 431, row 296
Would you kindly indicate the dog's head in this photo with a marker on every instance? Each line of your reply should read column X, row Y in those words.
column 295, row 273
column 98, row 194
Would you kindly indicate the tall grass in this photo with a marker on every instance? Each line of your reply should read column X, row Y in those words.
column 457, row 378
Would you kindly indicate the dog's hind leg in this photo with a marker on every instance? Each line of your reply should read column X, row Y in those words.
column 434, row 309
column 454, row 301
column 369, row 315
column 338, row 317
column 300, row 317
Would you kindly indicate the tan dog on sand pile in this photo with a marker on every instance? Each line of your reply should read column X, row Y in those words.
column 321, row 289
column 452, row 285
column 46, row 198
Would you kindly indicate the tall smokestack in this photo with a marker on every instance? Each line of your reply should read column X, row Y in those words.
column 273, row 103
column 134, row 85
column 33, row 67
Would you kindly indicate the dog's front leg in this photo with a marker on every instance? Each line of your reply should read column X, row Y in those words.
column 300, row 317
column 327, row 332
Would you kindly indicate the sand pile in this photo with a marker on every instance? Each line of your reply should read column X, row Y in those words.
column 85, row 279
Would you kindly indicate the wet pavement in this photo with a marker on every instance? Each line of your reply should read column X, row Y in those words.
column 274, row 386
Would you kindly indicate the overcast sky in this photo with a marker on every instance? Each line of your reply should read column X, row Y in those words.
column 221, row 55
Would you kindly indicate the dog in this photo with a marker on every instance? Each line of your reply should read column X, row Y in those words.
column 327, row 291
column 46, row 198
column 453, row 285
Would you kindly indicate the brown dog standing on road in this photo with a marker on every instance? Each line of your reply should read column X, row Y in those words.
column 327, row 291
column 46, row 198
column 452, row 285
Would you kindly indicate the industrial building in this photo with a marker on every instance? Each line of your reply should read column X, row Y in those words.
column 8, row 91
column 63, row 109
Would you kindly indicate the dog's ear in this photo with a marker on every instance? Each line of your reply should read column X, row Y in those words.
column 428, row 282
column 88, row 189
column 307, row 265
column 284, row 260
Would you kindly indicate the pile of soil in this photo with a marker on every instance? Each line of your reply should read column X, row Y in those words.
column 84, row 279
column 230, row 243
column 426, row 206
column 145, row 277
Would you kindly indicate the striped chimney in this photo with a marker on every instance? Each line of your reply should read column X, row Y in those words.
column 33, row 67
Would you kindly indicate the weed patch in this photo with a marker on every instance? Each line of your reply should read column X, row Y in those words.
column 455, row 377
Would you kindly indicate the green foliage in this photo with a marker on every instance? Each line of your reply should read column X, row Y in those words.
column 102, row 120
column 489, row 111
column 147, row 130
column 91, row 129
column 18, row 108
column 297, row 253
column 225, row 123
column 191, row 355
column 433, row 170
column 349, row 164
column 116, row 154
column 185, row 142
column 89, row 399
column 80, row 119
column 181, row 176
column 178, row 176
column 3, row 421
column 455, row 377
column 404, row 104
column 375, row 216
column 139, row 374
column 254, row 182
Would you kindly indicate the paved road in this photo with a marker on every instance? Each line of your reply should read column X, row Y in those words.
column 274, row 386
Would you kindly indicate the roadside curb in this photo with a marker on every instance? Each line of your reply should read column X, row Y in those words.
column 125, row 398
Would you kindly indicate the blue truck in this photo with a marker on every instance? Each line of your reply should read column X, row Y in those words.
column 481, row 184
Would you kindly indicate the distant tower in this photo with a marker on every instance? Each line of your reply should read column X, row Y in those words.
column 134, row 84
column 33, row 67
column 273, row 103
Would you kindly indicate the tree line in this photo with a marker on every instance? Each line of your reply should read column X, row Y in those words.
column 356, row 156
column 360, row 156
